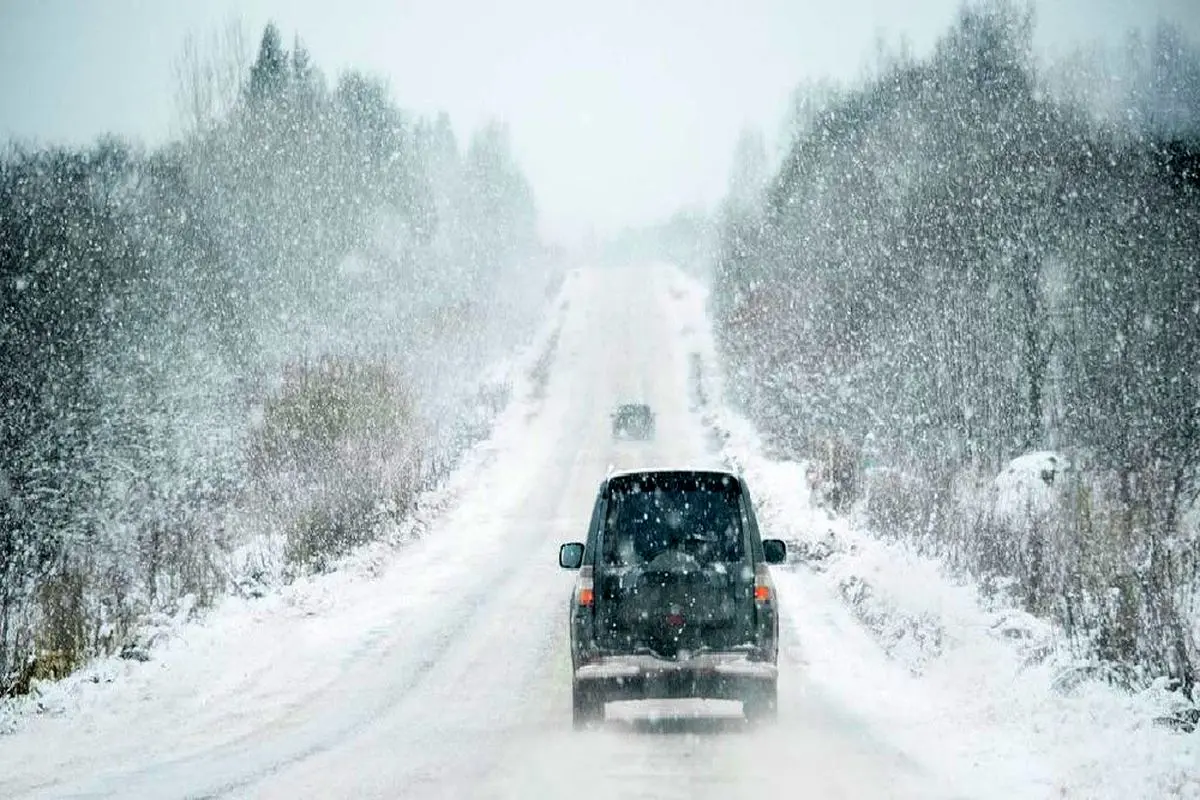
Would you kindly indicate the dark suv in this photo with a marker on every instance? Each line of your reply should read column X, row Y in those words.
column 674, row 598
column 633, row 421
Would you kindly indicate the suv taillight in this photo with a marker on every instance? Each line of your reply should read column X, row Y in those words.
column 763, row 587
column 585, row 591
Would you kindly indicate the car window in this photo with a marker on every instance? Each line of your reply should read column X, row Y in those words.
column 700, row 519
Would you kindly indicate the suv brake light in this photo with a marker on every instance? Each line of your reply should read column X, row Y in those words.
column 762, row 584
column 584, row 589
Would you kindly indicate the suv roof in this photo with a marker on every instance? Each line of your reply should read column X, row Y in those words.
column 652, row 472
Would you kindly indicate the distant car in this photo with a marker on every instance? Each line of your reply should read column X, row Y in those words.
column 673, row 598
column 633, row 421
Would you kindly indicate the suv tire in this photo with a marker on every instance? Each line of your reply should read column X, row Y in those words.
column 587, row 706
column 760, row 704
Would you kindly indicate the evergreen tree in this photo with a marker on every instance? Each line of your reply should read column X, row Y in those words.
column 270, row 73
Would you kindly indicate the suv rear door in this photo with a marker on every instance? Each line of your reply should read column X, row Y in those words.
column 674, row 560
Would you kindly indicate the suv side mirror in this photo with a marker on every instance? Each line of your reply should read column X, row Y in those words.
column 774, row 551
column 570, row 555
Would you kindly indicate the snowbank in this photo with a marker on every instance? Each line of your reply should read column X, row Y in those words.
column 1026, row 485
column 985, row 697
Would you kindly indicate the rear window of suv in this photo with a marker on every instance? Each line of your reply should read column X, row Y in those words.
column 694, row 515
column 633, row 413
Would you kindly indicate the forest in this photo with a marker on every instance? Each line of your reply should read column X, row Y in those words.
column 229, row 359
column 972, row 262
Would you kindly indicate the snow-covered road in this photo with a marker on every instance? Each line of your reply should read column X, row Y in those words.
column 443, row 671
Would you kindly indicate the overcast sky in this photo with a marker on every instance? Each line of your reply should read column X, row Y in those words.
column 621, row 111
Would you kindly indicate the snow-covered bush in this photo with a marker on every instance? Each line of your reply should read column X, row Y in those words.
column 337, row 444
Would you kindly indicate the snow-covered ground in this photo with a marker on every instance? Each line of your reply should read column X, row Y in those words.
column 436, row 665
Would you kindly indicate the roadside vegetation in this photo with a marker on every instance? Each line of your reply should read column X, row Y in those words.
column 969, row 297
column 227, row 360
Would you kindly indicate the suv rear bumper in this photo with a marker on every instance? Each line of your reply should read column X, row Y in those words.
column 718, row 676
